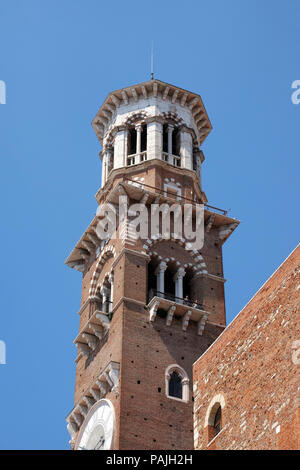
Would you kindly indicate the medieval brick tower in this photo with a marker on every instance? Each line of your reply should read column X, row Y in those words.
column 150, row 307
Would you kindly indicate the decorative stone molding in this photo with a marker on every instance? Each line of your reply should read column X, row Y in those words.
column 93, row 331
column 170, row 314
column 85, row 248
column 209, row 223
column 186, row 319
column 199, row 264
column 108, row 251
column 107, row 381
column 137, row 181
column 172, row 118
column 225, row 231
column 201, row 324
column 153, row 310
column 173, row 186
column 136, row 118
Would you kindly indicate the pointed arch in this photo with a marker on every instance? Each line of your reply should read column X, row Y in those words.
column 106, row 253
column 174, row 373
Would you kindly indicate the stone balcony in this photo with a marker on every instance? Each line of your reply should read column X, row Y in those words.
column 136, row 158
column 172, row 305
column 174, row 160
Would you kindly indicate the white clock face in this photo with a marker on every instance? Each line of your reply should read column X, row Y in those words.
column 97, row 430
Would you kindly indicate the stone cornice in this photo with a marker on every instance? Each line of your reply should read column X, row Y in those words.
column 152, row 89
column 212, row 276
column 127, row 299
column 86, row 247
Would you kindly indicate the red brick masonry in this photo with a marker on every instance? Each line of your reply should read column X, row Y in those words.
column 253, row 371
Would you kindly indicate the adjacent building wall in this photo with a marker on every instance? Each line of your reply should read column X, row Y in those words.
column 253, row 371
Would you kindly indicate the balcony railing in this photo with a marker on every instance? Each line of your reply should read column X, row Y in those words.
column 172, row 159
column 136, row 158
column 173, row 298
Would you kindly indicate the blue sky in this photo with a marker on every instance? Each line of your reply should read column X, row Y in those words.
column 59, row 59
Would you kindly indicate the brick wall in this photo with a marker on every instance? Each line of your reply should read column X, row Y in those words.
column 149, row 419
column 145, row 417
column 253, row 369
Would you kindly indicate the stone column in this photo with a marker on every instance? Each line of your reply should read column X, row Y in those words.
column 178, row 279
column 138, row 129
column 170, row 132
column 160, row 276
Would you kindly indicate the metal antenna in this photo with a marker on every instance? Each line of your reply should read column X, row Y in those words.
column 152, row 61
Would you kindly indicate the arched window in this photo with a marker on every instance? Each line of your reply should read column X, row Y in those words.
column 217, row 421
column 131, row 142
column 177, row 383
column 214, row 418
column 137, row 144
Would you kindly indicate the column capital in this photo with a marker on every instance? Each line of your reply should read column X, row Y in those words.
column 180, row 273
column 161, row 267
column 170, row 127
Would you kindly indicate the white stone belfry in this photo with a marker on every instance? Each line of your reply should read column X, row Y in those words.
column 162, row 110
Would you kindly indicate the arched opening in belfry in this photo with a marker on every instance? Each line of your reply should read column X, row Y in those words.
column 176, row 142
column 144, row 138
column 165, row 138
column 187, row 285
column 137, row 144
column 169, row 282
column 131, row 140
column 171, row 144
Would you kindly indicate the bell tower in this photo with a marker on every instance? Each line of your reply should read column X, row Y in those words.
column 150, row 305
